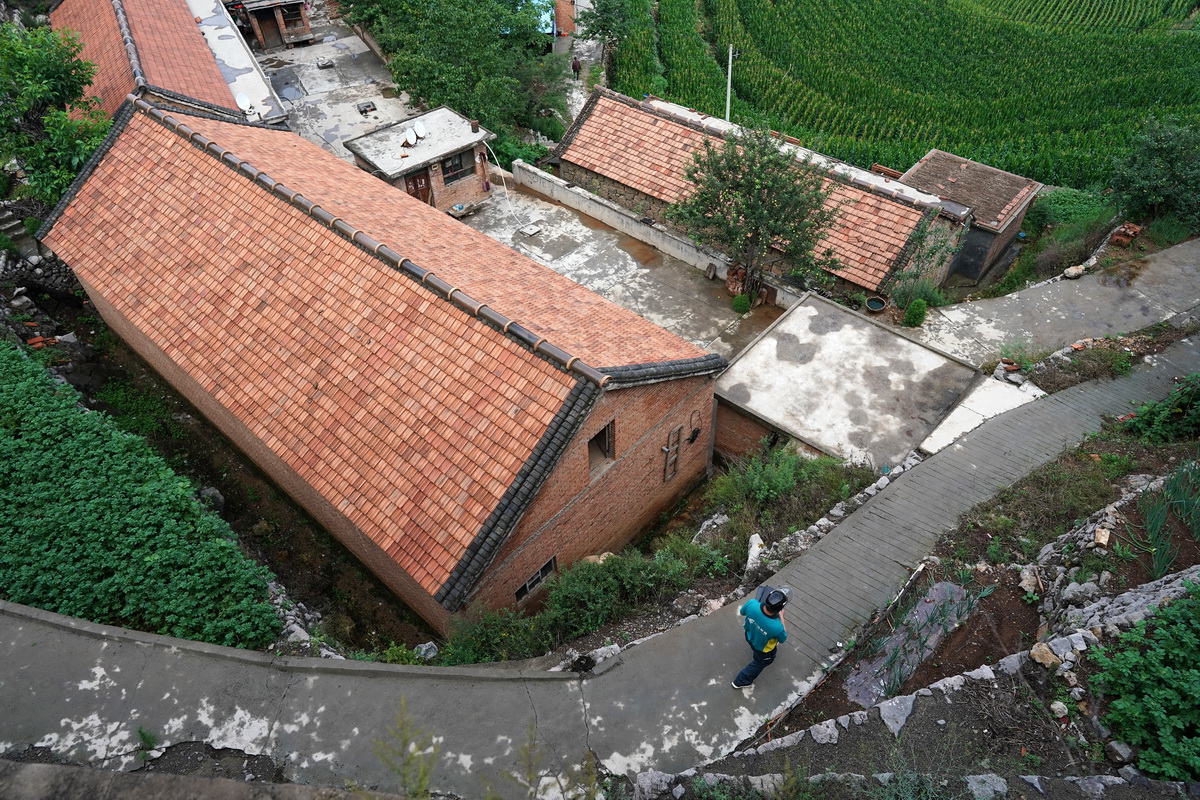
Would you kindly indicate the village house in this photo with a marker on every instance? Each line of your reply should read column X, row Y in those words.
column 179, row 54
column 466, row 421
column 997, row 201
column 272, row 23
column 635, row 153
column 439, row 157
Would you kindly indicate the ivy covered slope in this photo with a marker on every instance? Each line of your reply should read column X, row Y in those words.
column 95, row 525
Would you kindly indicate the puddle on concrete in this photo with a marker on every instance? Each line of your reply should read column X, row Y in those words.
column 273, row 63
column 291, row 92
column 341, row 45
column 1122, row 275
column 389, row 92
column 330, row 38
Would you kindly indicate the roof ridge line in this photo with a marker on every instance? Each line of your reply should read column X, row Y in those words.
column 784, row 138
column 536, row 344
column 131, row 52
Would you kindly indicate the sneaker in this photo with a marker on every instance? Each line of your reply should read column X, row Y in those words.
column 737, row 685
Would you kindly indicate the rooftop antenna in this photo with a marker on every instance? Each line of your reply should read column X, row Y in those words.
column 419, row 127
column 410, row 137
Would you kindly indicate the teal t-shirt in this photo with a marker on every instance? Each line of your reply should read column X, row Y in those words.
column 762, row 632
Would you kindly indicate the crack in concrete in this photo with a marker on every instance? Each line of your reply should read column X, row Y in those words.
column 271, row 745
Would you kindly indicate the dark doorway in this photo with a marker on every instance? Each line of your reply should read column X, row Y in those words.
column 417, row 185
column 269, row 25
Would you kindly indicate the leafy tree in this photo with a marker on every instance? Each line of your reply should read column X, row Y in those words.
column 48, row 127
column 485, row 59
column 757, row 203
column 605, row 21
column 1161, row 174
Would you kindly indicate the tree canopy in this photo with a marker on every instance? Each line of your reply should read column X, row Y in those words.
column 757, row 203
column 1161, row 174
column 485, row 59
column 48, row 127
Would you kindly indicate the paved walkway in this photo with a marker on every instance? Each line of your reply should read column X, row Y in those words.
column 85, row 689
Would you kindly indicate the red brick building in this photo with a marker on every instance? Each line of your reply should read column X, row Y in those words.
column 146, row 46
column 464, row 420
column 635, row 153
column 439, row 157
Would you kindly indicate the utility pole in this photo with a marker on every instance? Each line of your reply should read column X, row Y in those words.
column 729, row 82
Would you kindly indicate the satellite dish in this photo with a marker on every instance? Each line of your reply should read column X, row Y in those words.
column 243, row 102
column 410, row 138
column 419, row 127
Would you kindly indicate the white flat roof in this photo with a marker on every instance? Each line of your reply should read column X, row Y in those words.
column 843, row 383
column 241, row 72
column 863, row 178
column 446, row 132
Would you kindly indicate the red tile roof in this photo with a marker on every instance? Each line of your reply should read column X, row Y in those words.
column 169, row 49
column 636, row 146
column 408, row 414
column 994, row 196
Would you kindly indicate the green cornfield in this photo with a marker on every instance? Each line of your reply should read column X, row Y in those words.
column 1049, row 89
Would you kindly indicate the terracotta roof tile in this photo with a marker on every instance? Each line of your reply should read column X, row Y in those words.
column 995, row 197
column 636, row 147
column 288, row 356
column 170, row 48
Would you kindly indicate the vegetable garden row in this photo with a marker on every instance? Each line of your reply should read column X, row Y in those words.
column 1053, row 91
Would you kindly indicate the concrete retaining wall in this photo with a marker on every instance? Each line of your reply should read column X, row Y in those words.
column 629, row 223
column 625, row 221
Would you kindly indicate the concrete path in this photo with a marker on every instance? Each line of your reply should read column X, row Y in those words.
column 1103, row 303
column 85, row 689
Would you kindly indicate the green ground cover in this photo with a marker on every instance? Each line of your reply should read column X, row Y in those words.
column 1049, row 90
column 94, row 524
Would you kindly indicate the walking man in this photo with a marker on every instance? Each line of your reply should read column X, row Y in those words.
column 764, row 633
column 576, row 66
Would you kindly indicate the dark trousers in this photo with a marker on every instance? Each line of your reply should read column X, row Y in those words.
column 757, row 664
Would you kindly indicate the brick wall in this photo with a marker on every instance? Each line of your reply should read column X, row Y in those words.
column 564, row 15
column 614, row 191
column 333, row 521
column 465, row 190
column 578, row 513
column 737, row 434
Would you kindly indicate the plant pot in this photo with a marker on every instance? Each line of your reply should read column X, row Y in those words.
column 875, row 304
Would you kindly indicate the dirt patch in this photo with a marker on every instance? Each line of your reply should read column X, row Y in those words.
column 1001, row 624
column 1106, row 358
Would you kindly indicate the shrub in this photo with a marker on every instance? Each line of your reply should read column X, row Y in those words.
column 1150, row 675
column 7, row 245
column 32, row 225
column 1161, row 173
column 1175, row 417
column 914, row 315
column 741, row 303
column 94, row 524
column 580, row 600
column 482, row 636
column 756, row 479
column 509, row 148
column 907, row 290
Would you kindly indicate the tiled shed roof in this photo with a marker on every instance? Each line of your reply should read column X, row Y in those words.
column 417, row 419
column 996, row 197
column 630, row 143
column 165, row 49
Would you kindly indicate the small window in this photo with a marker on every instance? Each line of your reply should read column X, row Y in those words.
column 546, row 571
column 292, row 17
column 457, row 167
column 600, row 447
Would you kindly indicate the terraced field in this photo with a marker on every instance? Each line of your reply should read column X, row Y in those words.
column 1051, row 89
